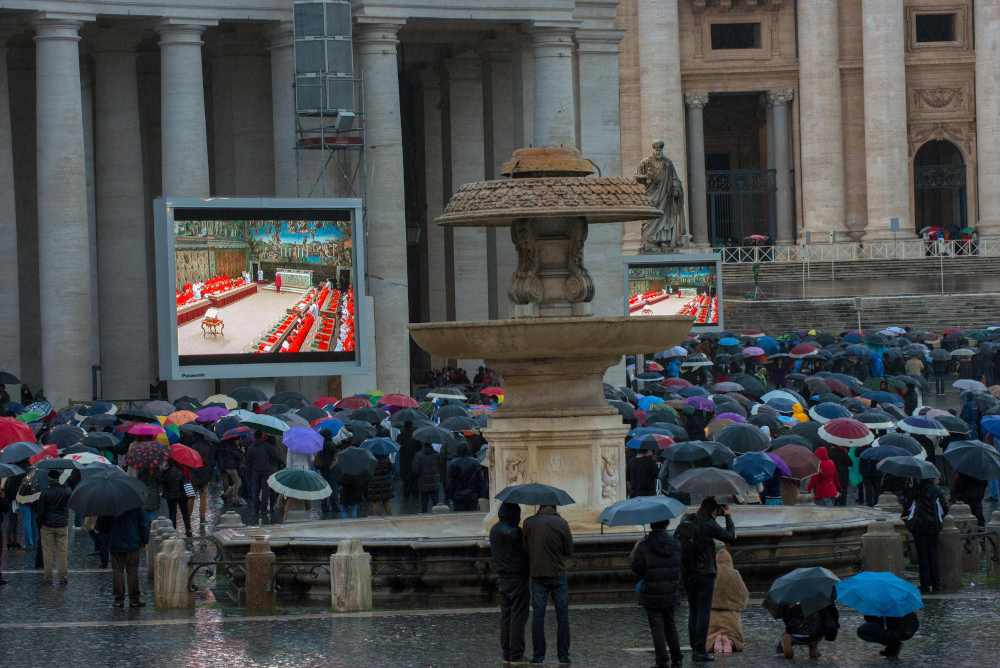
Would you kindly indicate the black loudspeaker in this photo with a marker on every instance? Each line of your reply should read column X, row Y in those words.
column 324, row 57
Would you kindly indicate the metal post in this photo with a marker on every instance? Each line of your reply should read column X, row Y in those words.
column 803, row 271
column 941, row 263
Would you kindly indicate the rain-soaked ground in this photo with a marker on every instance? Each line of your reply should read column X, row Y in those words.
column 76, row 625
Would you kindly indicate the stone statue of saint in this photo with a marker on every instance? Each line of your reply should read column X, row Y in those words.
column 666, row 193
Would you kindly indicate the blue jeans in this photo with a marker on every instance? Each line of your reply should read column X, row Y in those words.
column 349, row 511
column 152, row 514
column 559, row 589
column 428, row 500
column 939, row 384
column 699, row 590
column 331, row 504
column 31, row 536
column 259, row 491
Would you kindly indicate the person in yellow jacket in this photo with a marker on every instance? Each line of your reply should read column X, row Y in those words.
column 799, row 413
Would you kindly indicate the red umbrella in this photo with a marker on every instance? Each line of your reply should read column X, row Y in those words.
column 124, row 427
column 12, row 431
column 801, row 462
column 400, row 400
column 753, row 332
column 494, row 391
column 838, row 386
column 846, row 431
column 640, row 415
column 148, row 454
column 353, row 402
column 237, row 432
column 952, row 330
column 187, row 456
column 323, row 401
column 801, row 350
column 675, row 382
column 48, row 452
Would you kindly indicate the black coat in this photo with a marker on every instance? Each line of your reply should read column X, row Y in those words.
column 924, row 507
column 506, row 543
column 203, row 475
column 843, row 463
column 970, row 490
column 261, row 455
column 902, row 628
column 380, row 486
column 151, row 478
column 426, row 469
column 657, row 560
column 707, row 531
column 173, row 483
column 641, row 474
column 463, row 479
column 52, row 508
column 816, row 626
column 548, row 541
column 408, row 449
column 127, row 532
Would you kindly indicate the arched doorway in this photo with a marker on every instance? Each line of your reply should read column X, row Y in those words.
column 939, row 190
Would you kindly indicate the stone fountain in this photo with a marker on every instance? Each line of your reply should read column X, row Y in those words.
column 554, row 426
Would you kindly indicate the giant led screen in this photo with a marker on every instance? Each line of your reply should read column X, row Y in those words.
column 676, row 285
column 271, row 285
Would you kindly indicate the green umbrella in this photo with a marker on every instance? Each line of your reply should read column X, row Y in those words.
column 967, row 230
column 29, row 417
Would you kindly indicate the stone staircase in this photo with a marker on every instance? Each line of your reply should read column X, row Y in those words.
column 865, row 269
column 930, row 311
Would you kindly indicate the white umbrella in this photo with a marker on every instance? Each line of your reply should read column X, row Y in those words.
column 267, row 423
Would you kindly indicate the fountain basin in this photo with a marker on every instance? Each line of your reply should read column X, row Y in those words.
column 421, row 561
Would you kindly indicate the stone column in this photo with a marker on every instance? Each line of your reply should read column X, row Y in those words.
column 63, row 235
column 283, row 108
column 887, row 163
column 523, row 85
column 661, row 92
column 465, row 98
column 430, row 83
column 387, row 278
column 10, row 315
column 820, row 111
column 121, row 225
column 554, row 118
column 697, row 188
column 498, row 145
column 779, row 100
column 987, row 21
column 351, row 577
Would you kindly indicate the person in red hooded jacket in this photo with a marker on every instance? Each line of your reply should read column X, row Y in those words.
column 826, row 483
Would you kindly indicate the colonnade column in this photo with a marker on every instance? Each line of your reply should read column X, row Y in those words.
column 697, row 192
column 886, row 160
column 121, row 226
column 820, row 111
column 387, row 277
column 283, row 108
column 430, row 83
column 987, row 20
column 10, row 309
column 779, row 100
column 63, row 234
column 554, row 117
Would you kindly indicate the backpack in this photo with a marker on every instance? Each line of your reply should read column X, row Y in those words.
column 687, row 535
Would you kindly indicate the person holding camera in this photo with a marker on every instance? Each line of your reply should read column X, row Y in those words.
column 697, row 534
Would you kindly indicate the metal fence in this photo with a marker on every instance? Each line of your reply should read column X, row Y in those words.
column 741, row 203
column 852, row 252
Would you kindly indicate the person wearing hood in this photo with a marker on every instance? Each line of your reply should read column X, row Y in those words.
column 426, row 470
column 826, row 483
column 725, row 628
column 408, row 449
column 924, row 508
column 462, row 484
column 657, row 561
column 510, row 562
column 970, row 413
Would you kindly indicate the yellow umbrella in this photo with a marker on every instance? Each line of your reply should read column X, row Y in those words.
column 226, row 401
column 375, row 393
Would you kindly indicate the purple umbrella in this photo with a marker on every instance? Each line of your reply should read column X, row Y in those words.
column 211, row 414
column 303, row 440
column 753, row 351
column 782, row 466
column 701, row 404
column 731, row 416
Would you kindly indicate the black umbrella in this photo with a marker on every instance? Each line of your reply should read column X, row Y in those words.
column 7, row 470
column 138, row 415
column 812, row 588
column 624, row 409
column 311, row 413
column 31, row 486
column 876, row 339
column 277, row 409
column 661, row 416
column 940, row 355
column 401, row 417
column 908, row 467
column 369, row 414
column 869, row 459
column 672, row 430
column 187, row 399
column 954, row 425
column 198, row 430
column 534, row 494
column 63, row 437
column 810, row 432
column 692, row 451
column 791, row 439
column 451, row 410
column 18, row 451
column 895, row 411
column 100, row 469
column 290, row 398
column 742, row 438
column 433, row 435
column 108, row 495
column 459, row 424
column 876, row 419
column 975, row 459
column 751, row 386
column 248, row 395
column 765, row 420
column 8, row 379
column 359, row 428
column 854, row 405
column 100, row 421
column 904, row 441
column 100, row 441
column 710, row 482
column 355, row 461
column 724, row 404
column 80, row 449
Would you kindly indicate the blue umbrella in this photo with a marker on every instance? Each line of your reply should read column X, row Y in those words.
column 641, row 510
column 694, row 391
column 14, row 407
column 853, row 337
column 646, row 402
column 781, row 405
column 991, row 424
column 755, row 467
column 826, row 411
column 729, row 342
column 639, row 432
column 868, row 462
column 381, row 446
column 879, row 397
column 879, row 594
column 768, row 344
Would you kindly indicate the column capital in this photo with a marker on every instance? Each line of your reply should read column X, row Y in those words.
column 281, row 34
column 59, row 28
column 178, row 31
column 552, row 41
column 779, row 97
column 429, row 79
column 695, row 100
column 377, row 30
column 493, row 50
column 464, row 69
column 590, row 40
column 113, row 40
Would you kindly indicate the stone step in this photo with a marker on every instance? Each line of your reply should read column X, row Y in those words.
column 863, row 269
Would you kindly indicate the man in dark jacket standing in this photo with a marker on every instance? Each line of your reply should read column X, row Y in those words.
column 657, row 562
column 697, row 534
column 259, row 457
column 408, row 449
column 640, row 475
column 53, row 518
column 842, row 461
column 924, row 508
column 510, row 561
column 548, row 541
column 200, row 477
column 463, row 480
column 426, row 470
column 127, row 536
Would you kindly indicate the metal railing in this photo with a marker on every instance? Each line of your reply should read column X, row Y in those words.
column 859, row 251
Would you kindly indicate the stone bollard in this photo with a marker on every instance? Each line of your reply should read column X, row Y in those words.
column 351, row 577
column 888, row 503
column 295, row 511
column 804, row 499
column 156, row 529
column 993, row 545
column 950, row 554
column 484, row 505
column 882, row 548
column 171, row 582
column 259, row 568
column 230, row 519
column 440, row 509
column 965, row 522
